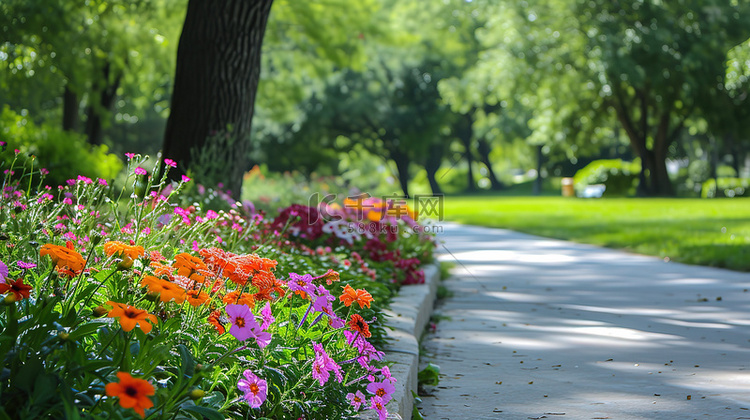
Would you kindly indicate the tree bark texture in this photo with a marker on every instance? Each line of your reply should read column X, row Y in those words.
column 216, row 80
column 483, row 148
column 431, row 166
column 100, row 104
column 402, row 166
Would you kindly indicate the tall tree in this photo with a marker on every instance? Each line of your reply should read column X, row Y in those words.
column 216, row 79
column 650, row 64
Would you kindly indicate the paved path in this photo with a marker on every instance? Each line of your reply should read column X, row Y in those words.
column 541, row 328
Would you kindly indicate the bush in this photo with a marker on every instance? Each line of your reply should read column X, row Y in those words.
column 64, row 154
column 617, row 176
column 728, row 187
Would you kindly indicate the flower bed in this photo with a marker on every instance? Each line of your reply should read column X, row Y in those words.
column 141, row 303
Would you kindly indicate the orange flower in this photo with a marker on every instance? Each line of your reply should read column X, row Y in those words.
column 267, row 283
column 133, row 393
column 162, row 270
column 127, row 252
column 197, row 298
column 130, row 316
column 237, row 268
column 215, row 320
column 187, row 265
column 361, row 296
column 20, row 291
column 166, row 289
column 235, row 298
column 63, row 257
column 357, row 323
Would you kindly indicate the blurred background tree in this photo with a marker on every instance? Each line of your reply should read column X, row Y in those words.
column 400, row 96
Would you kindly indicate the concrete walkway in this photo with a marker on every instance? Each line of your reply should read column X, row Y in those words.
column 541, row 328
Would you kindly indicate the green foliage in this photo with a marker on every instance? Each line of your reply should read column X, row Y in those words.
column 430, row 375
column 64, row 154
column 617, row 176
column 727, row 187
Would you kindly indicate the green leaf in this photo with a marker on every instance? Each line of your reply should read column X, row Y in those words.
column 202, row 413
column 187, row 368
column 429, row 375
column 84, row 330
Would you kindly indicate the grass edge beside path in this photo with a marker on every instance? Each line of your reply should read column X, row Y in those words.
column 710, row 232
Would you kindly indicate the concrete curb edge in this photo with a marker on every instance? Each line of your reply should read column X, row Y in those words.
column 408, row 315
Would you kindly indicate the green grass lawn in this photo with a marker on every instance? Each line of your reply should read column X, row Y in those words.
column 714, row 232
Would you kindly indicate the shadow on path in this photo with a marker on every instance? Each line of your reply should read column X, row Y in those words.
column 541, row 328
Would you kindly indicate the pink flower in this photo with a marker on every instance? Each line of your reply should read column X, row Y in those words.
column 357, row 399
column 21, row 264
column 102, row 182
column 130, row 155
column 185, row 179
column 323, row 364
column 377, row 404
column 170, row 163
column 140, row 171
column 85, row 179
column 243, row 322
column 267, row 315
column 381, row 389
column 44, row 171
column 3, row 272
column 67, row 201
column 254, row 388
column 210, row 215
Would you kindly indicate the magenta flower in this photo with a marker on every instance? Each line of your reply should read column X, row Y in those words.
column 243, row 322
column 44, row 171
column 377, row 404
column 323, row 364
column 102, row 182
column 130, row 155
column 3, row 272
column 139, row 171
column 267, row 315
column 170, row 163
column 85, row 180
column 254, row 388
column 21, row 264
column 185, row 179
column 356, row 400
column 301, row 283
column 382, row 389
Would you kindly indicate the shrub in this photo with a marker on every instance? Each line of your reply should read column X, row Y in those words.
column 728, row 187
column 618, row 177
column 64, row 154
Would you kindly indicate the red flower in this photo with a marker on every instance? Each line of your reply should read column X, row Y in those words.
column 357, row 323
column 20, row 291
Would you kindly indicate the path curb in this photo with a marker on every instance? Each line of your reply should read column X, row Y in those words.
column 407, row 317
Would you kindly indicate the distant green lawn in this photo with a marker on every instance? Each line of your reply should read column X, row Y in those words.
column 714, row 232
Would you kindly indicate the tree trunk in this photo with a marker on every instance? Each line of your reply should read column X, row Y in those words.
column 105, row 92
column 402, row 166
column 431, row 166
column 71, row 117
column 216, row 79
column 483, row 148
column 465, row 133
